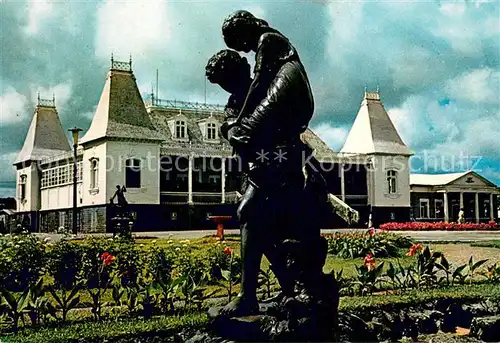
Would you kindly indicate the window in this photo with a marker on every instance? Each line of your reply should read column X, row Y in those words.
column 65, row 174
column 44, row 179
column 80, row 171
column 93, row 220
column 133, row 173
column 180, row 129
column 392, row 181
column 94, row 164
column 211, row 131
column 22, row 187
column 439, row 208
column 424, row 208
column 62, row 219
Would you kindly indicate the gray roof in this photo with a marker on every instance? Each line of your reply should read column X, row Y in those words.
column 46, row 136
column 161, row 115
column 373, row 131
column 443, row 179
column 435, row 179
column 121, row 112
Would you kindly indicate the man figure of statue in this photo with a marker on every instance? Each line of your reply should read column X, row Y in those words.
column 272, row 209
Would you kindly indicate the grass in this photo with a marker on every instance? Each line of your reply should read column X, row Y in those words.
column 110, row 330
column 473, row 292
column 487, row 244
column 133, row 329
column 349, row 265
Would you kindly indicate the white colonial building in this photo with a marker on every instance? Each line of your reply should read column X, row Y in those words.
column 177, row 170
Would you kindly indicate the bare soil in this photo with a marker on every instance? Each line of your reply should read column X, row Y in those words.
column 458, row 254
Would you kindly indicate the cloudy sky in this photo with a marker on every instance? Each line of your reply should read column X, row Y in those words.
column 437, row 64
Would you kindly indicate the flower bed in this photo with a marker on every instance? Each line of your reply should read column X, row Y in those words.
column 353, row 245
column 439, row 226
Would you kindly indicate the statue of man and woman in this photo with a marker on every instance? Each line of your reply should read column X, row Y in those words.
column 286, row 201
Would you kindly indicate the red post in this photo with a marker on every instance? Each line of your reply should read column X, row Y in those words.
column 220, row 231
column 219, row 220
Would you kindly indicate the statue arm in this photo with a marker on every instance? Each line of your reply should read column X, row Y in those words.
column 261, row 120
column 273, row 49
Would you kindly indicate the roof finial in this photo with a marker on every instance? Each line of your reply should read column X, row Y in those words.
column 54, row 98
column 152, row 94
column 38, row 98
column 112, row 60
column 378, row 90
column 130, row 61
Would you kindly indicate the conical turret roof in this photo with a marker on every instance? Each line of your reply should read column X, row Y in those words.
column 373, row 131
column 46, row 136
column 121, row 112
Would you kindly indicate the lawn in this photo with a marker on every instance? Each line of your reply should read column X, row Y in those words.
column 360, row 290
column 456, row 253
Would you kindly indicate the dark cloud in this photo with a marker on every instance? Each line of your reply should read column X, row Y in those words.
column 410, row 50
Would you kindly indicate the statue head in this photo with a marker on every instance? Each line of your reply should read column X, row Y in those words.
column 118, row 187
column 241, row 31
column 229, row 70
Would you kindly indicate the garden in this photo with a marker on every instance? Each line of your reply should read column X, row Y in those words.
column 440, row 226
column 158, row 290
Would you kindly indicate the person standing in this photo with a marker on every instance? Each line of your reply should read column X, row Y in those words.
column 461, row 216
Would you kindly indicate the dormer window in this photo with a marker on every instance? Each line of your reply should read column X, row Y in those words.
column 180, row 129
column 211, row 131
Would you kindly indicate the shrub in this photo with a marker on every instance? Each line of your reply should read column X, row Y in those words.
column 22, row 259
column 93, row 248
column 352, row 245
column 220, row 260
column 442, row 226
column 192, row 264
column 65, row 261
column 129, row 261
column 160, row 263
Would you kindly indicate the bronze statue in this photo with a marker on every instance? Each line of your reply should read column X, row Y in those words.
column 280, row 213
column 122, row 203
column 286, row 200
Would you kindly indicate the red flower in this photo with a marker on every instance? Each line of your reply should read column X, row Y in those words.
column 228, row 251
column 371, row 231
column 369, row 262
column 107, row 258
column 414, row 249
column 426, row 226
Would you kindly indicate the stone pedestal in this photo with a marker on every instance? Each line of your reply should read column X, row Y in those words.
column 303, row 318
column 122, row 226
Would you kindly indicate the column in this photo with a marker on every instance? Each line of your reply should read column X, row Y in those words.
column 476, row 209
column 446, row 209
column 461, row 200
column 190, row 180
column 342, row 182
column 223, row 180
column 492, row 213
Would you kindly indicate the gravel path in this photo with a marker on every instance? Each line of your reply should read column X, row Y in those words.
column 459, row 254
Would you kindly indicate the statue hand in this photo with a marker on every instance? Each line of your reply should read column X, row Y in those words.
column 228, row 124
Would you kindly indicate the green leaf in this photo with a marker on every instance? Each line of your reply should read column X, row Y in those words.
column 478, row 264
column 74, row 303
column 459, row 270
column 444, row 263
column 226, row 274
column 10, row 299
